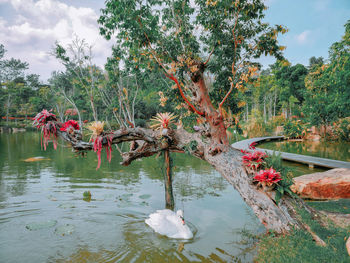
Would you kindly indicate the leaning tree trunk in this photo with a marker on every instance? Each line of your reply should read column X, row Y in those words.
column 279, row 218
column 274, row 217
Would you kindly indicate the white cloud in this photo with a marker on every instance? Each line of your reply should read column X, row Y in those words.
column 38, row 24
column 322, row 5
column 303, row 38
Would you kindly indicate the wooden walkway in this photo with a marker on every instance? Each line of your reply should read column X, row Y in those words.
column 308, row 160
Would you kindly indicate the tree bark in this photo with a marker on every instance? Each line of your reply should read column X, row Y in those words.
column 214, row 118
column 265, row 109
column 168, row 182
column 274, row 104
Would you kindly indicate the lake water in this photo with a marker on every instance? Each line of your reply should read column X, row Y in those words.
column 44, row 218
column 331, row 150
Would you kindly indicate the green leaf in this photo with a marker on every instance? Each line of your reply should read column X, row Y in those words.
column 278, row 197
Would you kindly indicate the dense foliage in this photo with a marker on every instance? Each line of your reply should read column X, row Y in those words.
column 174, row 34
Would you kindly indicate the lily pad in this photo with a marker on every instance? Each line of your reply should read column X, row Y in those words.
column 66, row 229
column 108, row 196
column 145, row 196
column 67, row 205
column 52, row 198
column 41, row 225
column 126, row 196
column 123, row 203
column 144, row 203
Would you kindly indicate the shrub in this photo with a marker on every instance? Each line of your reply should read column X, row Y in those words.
column 293, row 129
column 256, row 127
column 342, row 129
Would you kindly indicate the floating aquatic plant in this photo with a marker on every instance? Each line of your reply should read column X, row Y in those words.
column 87, row 196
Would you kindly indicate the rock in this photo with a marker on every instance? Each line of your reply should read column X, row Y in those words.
column 333, row 184
column 16, row 130
column 279, row 130
column 313, row 137
column 314, row 130
column 36, row 159
column 5, row 129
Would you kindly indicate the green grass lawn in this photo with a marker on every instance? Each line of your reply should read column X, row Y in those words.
column 298, row 246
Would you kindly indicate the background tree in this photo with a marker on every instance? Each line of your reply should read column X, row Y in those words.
column 328, row 93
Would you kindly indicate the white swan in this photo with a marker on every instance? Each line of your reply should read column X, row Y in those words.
column 166, row 222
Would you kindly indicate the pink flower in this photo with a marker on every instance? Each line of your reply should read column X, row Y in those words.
column 47, row 122
column 269, row 176
column 252, row 146
column 43, row 117
column 70, row 124
column 254, row 160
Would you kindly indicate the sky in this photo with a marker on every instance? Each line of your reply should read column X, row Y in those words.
column 30, row 28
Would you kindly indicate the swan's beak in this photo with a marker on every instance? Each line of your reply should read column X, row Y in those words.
column 183, row 220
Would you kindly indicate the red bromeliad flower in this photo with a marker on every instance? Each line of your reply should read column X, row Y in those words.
column 43, row 117
column 162, row 120
column 99, row 142
column 268, row 176
column 254, row 160
column 252, row 146
column 45, row 120
column 68, row 125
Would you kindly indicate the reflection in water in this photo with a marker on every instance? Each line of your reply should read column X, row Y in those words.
column 110, row 227
column 331, row 150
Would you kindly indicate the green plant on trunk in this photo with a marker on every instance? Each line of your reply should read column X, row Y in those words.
column 283, row 186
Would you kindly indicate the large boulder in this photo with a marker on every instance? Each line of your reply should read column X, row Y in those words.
column 332, row 184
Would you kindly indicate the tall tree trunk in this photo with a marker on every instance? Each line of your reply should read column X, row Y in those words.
column 274, row 104
column 247, row 112
column 8, row 104
column 270, row 106
column 94, row 113
column 265, row 108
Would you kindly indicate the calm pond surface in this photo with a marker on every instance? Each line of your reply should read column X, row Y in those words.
column 331, row 150
column 43, row 217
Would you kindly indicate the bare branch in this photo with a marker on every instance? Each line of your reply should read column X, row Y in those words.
column 234, row 71
column 146, row 142
column 211, row 53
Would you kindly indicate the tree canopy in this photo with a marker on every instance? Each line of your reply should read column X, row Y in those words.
column 226, row 36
